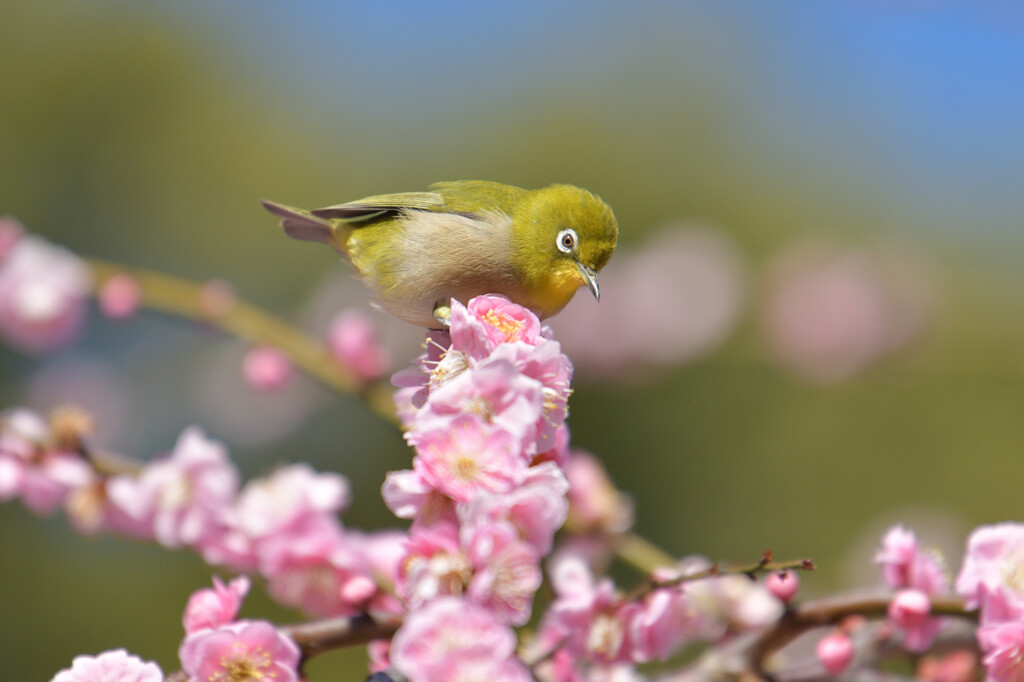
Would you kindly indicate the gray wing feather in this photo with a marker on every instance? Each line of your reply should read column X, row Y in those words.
column 371, row 208
column 299, row 224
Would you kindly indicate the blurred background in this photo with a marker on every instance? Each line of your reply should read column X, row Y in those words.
column 813, row 326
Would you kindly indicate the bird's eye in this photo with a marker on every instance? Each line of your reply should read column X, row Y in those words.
column 567, row 240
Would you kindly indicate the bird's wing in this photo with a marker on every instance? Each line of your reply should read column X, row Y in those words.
column 381, row 206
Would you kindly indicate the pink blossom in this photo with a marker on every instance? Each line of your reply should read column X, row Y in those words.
column 110, row 666
column 595, row 504
column 318, row 572
column 558, row 451
column 588, row 618
column 440, row 363
column 491, row 320
column 12, row 477
column 1002, row 648
column 494, row 391
column 835, row 651
column 917, row 574
column 351, row 339
column 506, row 571
column 448, row 629
column 905, row 565
column 43, row 292
column 267, row 369
column 211, row 609
column 728, row 601
column 994, row 565
column 49, row 482
column 408, row 494
column 43, row 478
column 240, row 652
column 120, row 296
column 783, row 585
column 290, row 498
column 468, row 457
column 665, row 621
column 547, row 364
column 536, row 508
column 184, row 498
column 384, row 551
column 434, row 565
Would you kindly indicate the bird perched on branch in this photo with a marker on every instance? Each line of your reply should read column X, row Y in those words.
column 419, row 250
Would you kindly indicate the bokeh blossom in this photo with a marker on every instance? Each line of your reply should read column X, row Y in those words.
column 829, row 313
column 352, row 339
column 917, row 575
column 110, row 666
column 33, row 469
column 267, row 369
column 180, row 500
column 120, row 296
column 43, row 294
column 674, row 299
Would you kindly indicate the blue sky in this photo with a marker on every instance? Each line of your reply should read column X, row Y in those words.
column 924, row 100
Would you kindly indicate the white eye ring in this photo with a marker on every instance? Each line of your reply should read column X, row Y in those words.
column 566, row 241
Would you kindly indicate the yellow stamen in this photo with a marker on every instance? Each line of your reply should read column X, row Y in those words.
column 506, row 324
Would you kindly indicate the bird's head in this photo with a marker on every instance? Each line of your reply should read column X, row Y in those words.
column 563, row 236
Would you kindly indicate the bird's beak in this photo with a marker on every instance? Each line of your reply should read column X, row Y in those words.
column 590, row 277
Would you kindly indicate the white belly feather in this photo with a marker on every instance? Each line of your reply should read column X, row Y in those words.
column 438, row 256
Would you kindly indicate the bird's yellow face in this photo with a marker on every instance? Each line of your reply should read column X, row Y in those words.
column 562, row 237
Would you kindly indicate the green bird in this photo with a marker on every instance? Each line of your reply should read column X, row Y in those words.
column 419, row 250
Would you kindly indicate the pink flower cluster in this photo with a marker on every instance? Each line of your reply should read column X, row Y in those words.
column 917, row 576
column 486, row 492
column 43, row 291
column 590, row 625
column 484, row 410
column 830, row 312
column 36, row 470
column 284, row 527
column 219, row 647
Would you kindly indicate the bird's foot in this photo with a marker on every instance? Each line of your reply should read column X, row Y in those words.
column 443, row 313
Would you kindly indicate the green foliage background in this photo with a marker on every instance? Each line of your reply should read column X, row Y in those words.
column 144, row 133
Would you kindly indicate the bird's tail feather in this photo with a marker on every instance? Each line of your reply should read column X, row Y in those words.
column 299, row 224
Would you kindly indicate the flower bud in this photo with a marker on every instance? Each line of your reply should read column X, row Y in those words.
column 266, row 369
column 835, row 651
column 783, row 585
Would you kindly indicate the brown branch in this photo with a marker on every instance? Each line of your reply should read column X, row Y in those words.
column 805, row 617
column 743, row 657
column 319, row 636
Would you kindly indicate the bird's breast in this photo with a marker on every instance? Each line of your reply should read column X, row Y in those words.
column 425, row 257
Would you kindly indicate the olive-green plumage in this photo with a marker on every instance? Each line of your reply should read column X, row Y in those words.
column 418, row 250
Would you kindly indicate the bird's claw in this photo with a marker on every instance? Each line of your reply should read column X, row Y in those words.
column 443, row 313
